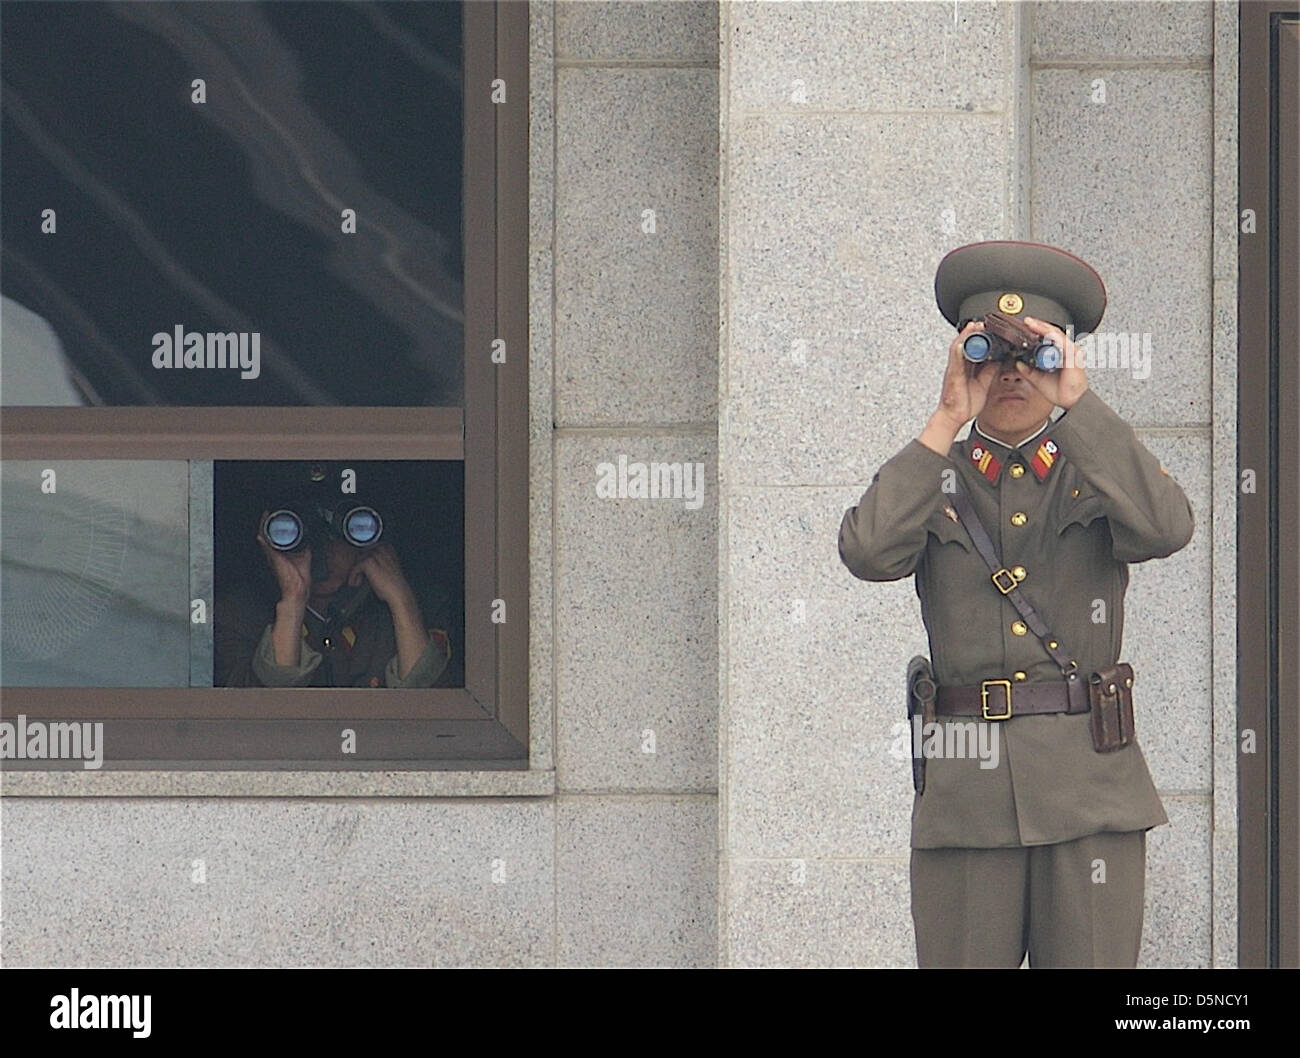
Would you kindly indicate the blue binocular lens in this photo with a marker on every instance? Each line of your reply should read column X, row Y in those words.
column 362, row 526
column 976, row 348
column 1047, row 357
column 283, row 530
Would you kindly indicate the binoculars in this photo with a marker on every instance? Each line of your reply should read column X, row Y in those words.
column 1006, row 338
column 290, row 528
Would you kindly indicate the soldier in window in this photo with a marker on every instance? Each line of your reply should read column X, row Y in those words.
column 346, row 615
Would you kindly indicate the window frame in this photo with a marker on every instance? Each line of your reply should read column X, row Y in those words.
column 1268, row 792
column 484, row 724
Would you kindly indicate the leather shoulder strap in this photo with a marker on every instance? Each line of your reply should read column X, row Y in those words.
column 1007, row 584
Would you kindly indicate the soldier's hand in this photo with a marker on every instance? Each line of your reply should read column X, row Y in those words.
column 1062, row 387
column 292, row 569
column 965, row 385
column 381, row 569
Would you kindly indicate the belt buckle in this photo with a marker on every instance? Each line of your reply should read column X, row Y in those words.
column 1011, row 581
column 984, row 699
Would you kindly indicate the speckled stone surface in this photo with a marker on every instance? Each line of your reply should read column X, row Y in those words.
column 636, row 621
column 1224, row 440
column 819, row 760
column 1176, row 924
column 287, row 883
column 541, row 395
column 1226, row 88
column 1122, row 29
column 1225, row 618
column 819, row 913
column 674, row 30
column 1167, row 633
column 636, row 881
column 1131, row 195
column 838, row 223
column 636, row 311
column 849, row 55
column 1224, row 839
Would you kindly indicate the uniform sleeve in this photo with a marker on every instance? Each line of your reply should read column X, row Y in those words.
column 427, row 668
column 884, row 536
column 269, row 674
column 1147, row 510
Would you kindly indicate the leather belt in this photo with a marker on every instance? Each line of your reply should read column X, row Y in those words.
column 1003, row 699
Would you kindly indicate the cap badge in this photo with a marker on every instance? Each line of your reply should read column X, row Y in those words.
column 1010, row 303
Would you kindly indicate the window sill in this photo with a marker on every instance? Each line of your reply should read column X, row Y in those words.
column 108, row 782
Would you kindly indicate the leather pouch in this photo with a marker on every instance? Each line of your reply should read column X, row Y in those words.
column 1110, row 696
column 921, row 692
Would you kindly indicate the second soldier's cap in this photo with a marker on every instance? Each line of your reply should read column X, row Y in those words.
column 1019, row 279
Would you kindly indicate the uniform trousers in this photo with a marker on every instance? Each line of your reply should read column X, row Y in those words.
column 1072, row 904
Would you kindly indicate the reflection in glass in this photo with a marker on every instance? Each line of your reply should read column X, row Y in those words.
column 232, row 203
column 94, row 574
column 33, row 367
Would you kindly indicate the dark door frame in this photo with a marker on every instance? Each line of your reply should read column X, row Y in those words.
column 1268, row 446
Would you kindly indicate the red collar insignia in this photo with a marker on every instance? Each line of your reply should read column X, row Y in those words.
column 985, row 462
column 1044, row 458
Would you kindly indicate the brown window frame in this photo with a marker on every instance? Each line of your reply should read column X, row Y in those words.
column 1268, row 438
column 485, row 723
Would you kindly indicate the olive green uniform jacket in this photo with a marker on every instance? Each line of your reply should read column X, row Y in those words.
column 1104, row 502
column 245, row 654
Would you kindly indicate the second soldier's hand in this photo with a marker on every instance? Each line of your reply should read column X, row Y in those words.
column 292, row 569
column 383, row 572
column 293, row 575
column 965, row 389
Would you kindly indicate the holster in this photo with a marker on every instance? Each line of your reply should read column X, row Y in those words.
column 921, row 692
column 1110, row 696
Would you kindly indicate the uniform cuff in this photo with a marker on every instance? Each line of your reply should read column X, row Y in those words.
column 269, row 674
column 427, row 668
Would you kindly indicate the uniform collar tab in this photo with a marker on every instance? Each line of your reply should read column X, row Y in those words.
column 983, row 459
column 1044, row 458
column 988, row 455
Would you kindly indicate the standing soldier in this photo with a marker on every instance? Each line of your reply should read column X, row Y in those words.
column 1045, row 852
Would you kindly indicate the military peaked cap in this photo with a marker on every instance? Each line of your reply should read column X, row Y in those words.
column 1019, row 279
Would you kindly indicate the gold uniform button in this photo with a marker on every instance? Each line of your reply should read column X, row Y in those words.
column 1019, row 628
column 1019, row 676
column 1019, row 518
column 1017, row 470
column 1019, row 572
column 1074, row 493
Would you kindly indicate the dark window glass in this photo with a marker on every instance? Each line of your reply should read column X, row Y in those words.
column 150, row 221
